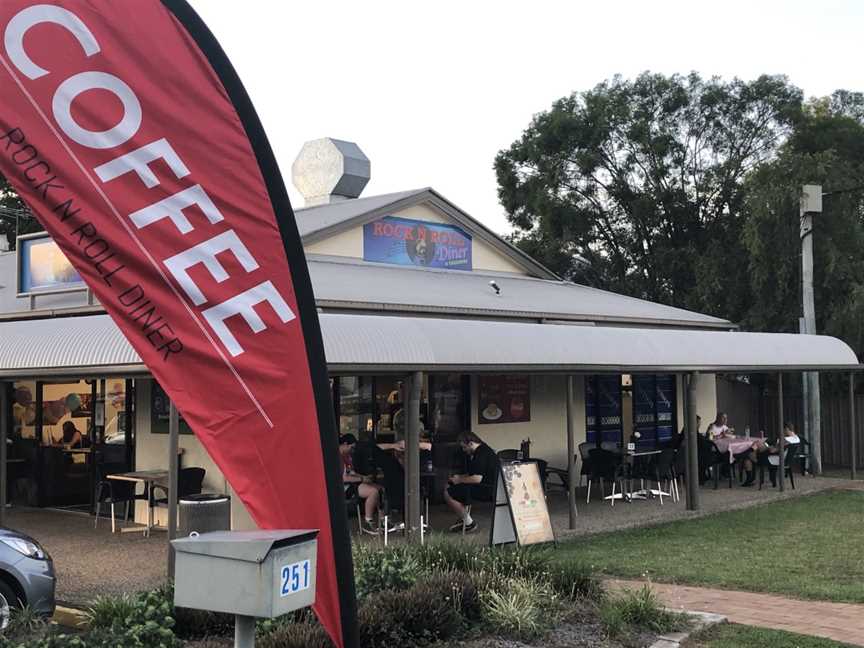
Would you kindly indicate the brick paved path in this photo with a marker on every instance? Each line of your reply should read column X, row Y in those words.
column 838, row 621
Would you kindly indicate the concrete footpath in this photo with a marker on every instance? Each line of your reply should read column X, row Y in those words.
column 838, row 621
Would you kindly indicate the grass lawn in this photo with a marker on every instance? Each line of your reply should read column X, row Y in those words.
column 809, row 547
column 728, row 635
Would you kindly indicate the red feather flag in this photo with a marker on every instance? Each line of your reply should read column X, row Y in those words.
column 127, row 132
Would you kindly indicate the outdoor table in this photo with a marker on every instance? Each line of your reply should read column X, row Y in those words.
column 736, row 445
column 149, row 478
column 629, row 456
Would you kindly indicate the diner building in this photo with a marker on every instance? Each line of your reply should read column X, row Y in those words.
column 407, row 284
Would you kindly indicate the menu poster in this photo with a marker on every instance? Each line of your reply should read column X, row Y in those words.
column 521, row 514
column 504, row 399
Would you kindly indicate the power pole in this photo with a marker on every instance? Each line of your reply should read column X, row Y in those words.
column 811, row 203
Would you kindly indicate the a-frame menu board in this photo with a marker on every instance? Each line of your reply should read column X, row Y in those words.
column 520, row 513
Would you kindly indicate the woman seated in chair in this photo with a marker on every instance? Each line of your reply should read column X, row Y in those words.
column 72, row 437
column 770, row 454
column 357, row 485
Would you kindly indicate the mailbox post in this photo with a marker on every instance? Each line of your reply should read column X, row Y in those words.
column 250, row 574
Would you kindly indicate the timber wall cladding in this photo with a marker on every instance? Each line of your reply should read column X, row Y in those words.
column 746, row 405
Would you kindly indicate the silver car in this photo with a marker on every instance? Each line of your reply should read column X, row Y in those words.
column 26, row 576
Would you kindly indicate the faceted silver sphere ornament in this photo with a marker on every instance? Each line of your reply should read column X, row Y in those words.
column 328, row 170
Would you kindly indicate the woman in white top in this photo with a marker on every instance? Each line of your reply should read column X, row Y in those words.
column 772, row 453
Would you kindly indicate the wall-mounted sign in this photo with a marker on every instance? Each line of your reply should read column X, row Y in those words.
column 520, row 514
column 504, row 399
column 403, row 241
column 160, row 412
column 42, row 266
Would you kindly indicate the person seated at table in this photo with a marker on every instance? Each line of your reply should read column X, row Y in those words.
column 357, row 485
column 769, row 455
column 719, row 428
column 371, row 460
column 72, row 438
column 476, row 484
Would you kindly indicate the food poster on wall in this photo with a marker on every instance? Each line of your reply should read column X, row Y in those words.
column 527, row 521
column 665, row 407
column 504, row 399
column 609, row 408
column 403, row 241
column 644, row 414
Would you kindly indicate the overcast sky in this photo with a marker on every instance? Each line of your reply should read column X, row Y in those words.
column 431, row 91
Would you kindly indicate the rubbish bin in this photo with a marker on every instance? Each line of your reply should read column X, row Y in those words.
column 203, row 513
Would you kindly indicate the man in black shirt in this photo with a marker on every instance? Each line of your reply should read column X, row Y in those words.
column 477, row 484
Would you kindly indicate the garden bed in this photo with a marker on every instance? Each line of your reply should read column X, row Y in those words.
column 443, row 594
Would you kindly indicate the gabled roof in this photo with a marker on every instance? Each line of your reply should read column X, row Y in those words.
column 323, row 221
column 345, row 284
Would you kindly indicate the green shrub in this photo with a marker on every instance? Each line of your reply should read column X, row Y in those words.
column 436, row 608
column 575, row 581
column 378, row 570
column 639, row 608
column 500, row 562
column 107, row 609
column 522, row 608
column 24, row 622
column 48, row 640
column 295, row 635
column 150, row 624
column 195, row 624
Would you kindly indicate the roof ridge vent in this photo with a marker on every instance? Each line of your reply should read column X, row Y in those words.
column 328, row 170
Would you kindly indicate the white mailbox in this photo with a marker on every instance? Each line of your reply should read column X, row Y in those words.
column 247, row 573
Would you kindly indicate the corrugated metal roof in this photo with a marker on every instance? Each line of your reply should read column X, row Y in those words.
column 321, row 217
column 379, row 343
column 85, row 345
column 394, row 288
column 94, row 346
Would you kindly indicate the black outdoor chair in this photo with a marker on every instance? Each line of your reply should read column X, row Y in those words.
column 788, row 463
column 584, row 449
column 711, row 459
column 189, row 482
column 606, row 466
column 679, row 465
column 801, row 455
column 354, row 505
column 662, row 470
column 113, row 491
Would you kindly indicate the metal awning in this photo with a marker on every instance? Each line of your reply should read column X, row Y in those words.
column 93, row 345
column 67, row 346
column 388, row 344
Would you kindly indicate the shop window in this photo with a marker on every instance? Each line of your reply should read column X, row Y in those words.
column 603, row 409
column 356, row 407
column 654, row 409
column 390, row 407
column 63, row 403
column 24, row 409
column 449, row 406
column 115, row 411
column 373, row 407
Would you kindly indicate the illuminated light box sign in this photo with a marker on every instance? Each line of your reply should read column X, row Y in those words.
column 42, row 267
column 403, row 241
